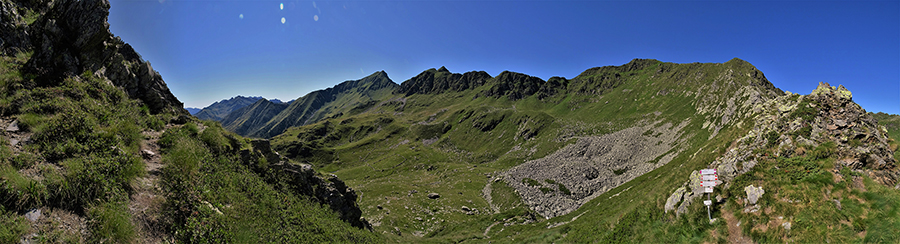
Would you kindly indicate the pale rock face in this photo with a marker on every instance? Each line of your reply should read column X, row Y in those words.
column 754, row 193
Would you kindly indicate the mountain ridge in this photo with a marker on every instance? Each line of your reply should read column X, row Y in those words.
column 316, row 105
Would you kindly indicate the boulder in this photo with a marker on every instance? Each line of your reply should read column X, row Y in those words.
column 674, row 199
column 753, row 193
column 434, row 195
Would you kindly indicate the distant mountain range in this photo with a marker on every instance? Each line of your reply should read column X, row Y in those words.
column 193, row 111
column 267, row 119
column 219, row 110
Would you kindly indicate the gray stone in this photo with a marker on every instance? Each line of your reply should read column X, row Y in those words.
column 465, row 208
column 13, row 142
column 147, row 153
column 13, row 127
column 840, row 123
column 674, row 199
column 753, row 193
column 33, row 215
column 837, row 203
column 434, row 195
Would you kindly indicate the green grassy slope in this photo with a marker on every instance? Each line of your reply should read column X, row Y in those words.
column 349, row 97
column 455, row 143
column 80, row 158
column 219, row 110
column 246, row 119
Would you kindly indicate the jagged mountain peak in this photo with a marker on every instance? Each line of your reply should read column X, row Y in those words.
column 434, row 81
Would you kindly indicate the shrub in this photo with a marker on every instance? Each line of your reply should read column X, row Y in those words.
column 111, row 223
column 97, row 178
column 185, row 157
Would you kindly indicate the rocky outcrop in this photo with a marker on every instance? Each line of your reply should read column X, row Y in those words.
column 753, row 193
column 73, row 38
column 327, row 190
column 827, row 116
column 441, row 80
column 13, row 28
column 513, row 86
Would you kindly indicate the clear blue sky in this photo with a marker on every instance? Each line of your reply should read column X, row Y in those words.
column 215, row 49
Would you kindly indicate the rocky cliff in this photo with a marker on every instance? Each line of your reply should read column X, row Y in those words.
column 301, row 178
column 441, row 80
column 72, row 38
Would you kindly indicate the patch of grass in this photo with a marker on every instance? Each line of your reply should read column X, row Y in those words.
column 545, row 190
column 772, row 138
column 19, row 192
column 12, row 227
column 530, row 182
column 110, row 222
column 563, row 189
column 620, row 171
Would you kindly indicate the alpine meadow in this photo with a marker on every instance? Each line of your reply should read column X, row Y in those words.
column 96, row 148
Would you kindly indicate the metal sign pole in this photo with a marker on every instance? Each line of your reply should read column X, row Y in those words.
column 708, row 214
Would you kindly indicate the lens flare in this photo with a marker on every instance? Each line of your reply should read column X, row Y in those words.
column 241, row 16
column 282, row 20
column 316, row 17
column 281, row 6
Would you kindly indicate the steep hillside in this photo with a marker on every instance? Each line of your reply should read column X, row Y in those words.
column 219, row 110
column 817, row 164
column 95, row 149
column 515, row 157
column 249, row 118
column 348, row 97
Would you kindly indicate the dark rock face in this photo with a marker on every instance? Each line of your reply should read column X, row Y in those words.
column 301, row 178
column 13, row 29
column 439, row 81
column 73, row 38
column 514, row 86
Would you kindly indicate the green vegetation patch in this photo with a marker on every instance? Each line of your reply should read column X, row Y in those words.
column 531, row 182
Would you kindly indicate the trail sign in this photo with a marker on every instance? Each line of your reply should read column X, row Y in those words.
column 709, row 178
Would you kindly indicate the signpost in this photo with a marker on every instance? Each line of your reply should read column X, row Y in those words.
column 709, row 178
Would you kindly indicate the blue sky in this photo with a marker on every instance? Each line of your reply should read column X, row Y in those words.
column 215, row 49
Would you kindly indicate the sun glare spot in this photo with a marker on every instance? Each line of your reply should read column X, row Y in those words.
column 282, row 20
column 281, row 6
column 241, row 16
column 316, row 17
column 314, row 4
